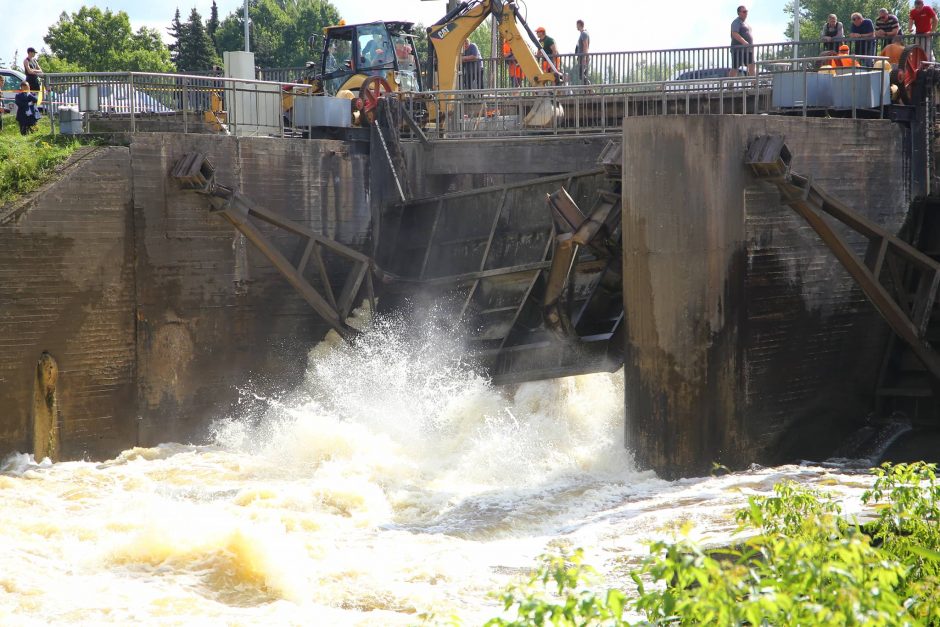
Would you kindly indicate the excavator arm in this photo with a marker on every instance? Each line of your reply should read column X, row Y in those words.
column 448, row 34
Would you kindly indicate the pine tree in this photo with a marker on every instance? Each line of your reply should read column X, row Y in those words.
column 176, row 31
column 212, row 26
column 197, row 54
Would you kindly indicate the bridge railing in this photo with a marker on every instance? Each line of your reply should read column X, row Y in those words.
column 136, row 102
column 796, row 86
column 645, row 66
column 118, row 102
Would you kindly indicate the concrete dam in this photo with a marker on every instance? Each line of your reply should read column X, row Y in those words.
column 742, row 337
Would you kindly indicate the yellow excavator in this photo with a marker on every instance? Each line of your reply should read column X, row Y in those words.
column 448, row 34
column 361, row 62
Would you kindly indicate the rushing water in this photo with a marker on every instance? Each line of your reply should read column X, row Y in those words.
column 396, row 481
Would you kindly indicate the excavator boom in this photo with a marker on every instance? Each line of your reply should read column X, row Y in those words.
column 448, row 34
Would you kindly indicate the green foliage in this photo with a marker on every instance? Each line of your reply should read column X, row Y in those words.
column 52, row 64
column 483, row 38
column 193, row 50
column 279, row 30
column 813, row 14
column 27, row 161
column 908, row 524
column 802, row 564
column 212, row 25
column 102, row 41
column 556, row 593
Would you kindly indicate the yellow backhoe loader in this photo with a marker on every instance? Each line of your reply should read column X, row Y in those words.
column 361, row 62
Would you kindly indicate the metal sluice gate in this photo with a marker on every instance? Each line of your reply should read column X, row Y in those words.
column 532, row 281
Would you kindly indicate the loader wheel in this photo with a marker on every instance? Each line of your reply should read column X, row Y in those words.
column 372, row 89
column 908, row 67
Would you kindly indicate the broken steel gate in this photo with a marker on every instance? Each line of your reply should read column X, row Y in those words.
column 534, row 283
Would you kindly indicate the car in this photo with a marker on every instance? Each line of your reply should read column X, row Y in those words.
column 9, row 87
column 10, row 81
column 708, row 73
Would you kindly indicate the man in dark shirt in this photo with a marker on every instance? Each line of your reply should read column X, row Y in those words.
column 581, row 50
column 471, row 66
column 886, row 27
column 25, row 109
column 741, row 40
column 863, row 32
column 547, row 44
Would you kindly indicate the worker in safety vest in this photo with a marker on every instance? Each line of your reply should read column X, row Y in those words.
column 512, row 66
column 843, row 59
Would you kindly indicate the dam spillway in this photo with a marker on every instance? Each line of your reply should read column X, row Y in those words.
column 190, row 312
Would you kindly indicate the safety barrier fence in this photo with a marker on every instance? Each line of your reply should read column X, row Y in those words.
column 797, row 87
column 646, row 66
column 105, row 102
column 139, row 102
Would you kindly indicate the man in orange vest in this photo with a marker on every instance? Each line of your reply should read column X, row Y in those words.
column 843, row 60
column 512, row 66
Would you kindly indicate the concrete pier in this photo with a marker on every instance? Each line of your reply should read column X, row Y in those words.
column 746, row 340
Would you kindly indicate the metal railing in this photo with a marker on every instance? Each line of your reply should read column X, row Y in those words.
column 796, row 86
column 118, row 102
column 140, row 102
column 647, row 66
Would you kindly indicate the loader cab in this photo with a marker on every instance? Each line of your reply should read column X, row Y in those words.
column 352, row 53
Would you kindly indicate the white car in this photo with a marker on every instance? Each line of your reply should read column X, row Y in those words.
column 10, row 86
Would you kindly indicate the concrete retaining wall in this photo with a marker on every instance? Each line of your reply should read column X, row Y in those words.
column 67, row 286
column 747, row 340
column 157, row 312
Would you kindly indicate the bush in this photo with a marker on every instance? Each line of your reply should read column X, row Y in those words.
column 804, row 564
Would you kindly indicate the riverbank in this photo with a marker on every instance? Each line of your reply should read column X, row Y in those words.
column 26, row 162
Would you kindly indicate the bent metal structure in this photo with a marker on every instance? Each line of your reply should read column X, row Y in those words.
column 748, row 332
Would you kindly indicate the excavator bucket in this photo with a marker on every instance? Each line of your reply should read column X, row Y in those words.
column 544, row 113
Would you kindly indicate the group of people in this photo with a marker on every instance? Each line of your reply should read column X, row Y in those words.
column 884, row 33
column 548, row 55
column 27, row 103
column 863, row 32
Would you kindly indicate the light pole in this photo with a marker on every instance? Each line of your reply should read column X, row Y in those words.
column 247, row 47
column 796, row 27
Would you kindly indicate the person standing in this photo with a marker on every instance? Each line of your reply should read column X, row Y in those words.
column 923, row 22
column 863, row 32
column 547, row 46
column 31, row 69
column 25, row 108
column 832, row 33
column 886, row 27
column 742, row 40
column 582, row 49
column 512, row 66
column 472, row 66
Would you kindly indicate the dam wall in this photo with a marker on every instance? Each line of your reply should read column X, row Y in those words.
column 159, row 315
column 747, row 341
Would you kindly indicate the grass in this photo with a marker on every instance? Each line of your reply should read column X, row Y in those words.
column 26, row 162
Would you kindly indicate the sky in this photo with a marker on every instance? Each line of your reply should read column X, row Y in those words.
column 613, row 26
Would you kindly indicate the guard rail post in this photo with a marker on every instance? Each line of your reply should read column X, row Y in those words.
column 133, row 99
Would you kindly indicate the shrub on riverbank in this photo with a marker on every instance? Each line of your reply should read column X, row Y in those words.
column 804, row 564
column 26, row 162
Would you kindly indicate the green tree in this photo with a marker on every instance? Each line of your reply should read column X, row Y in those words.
column 55, row 65
column 175, row 31
column 212, row 26
column 193, row 50
column 482, row 37
column 813, row 14
column 102, row 41
column 279, row 29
